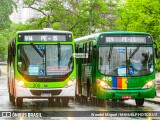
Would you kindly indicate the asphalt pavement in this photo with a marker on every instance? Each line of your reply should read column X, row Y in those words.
column 155, row 100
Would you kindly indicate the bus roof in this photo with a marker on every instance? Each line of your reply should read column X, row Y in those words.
column 123, row 32
column 44, row 31
column 95, row 36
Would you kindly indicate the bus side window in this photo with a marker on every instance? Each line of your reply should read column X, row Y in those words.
column 76, row 51
column 85, row 59
column 83, row 51
column 90, row 52
column 87, row 54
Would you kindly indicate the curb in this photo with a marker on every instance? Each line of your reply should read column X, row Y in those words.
column 152, row 101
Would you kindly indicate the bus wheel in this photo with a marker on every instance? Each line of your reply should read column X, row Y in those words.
column 50, row 101
column 84, row 100
column 12, row 99
column 78, row 98
column 114, row 102
column 19, row 102
column 65, row 102
column 92, row 101
column 139, row 102
column 101, row 102
column 58, row 101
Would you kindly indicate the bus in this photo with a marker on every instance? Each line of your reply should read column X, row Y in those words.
column 116, row 65
column 41, row 65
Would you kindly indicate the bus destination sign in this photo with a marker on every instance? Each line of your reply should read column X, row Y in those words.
column 134, row 39
column 44, row 37
column 125, row 39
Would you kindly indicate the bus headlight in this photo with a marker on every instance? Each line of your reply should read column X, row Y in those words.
column 103, row 84
column 149, row 84
column 70, row 83
column 20, row 83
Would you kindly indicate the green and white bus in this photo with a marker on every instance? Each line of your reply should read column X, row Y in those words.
column 40, row 65
column 120, row 65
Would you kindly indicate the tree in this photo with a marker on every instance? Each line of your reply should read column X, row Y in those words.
column 140, row 15
column 82, row 17
column 6, row 8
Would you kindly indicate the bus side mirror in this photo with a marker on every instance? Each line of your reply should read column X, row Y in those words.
column 157, row 53
column 95, row 52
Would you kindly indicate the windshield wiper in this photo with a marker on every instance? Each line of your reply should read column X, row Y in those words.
column 37, row 50
column 59, row 54
column 110, row 53
column 134, row 52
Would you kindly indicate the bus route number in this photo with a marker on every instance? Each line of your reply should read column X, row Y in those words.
column 36, row 85
column 28, row 38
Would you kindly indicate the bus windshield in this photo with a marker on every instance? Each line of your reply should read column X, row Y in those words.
column 45, row 59
column 125, row 61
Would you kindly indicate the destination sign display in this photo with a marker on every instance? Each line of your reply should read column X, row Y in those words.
column 137, row 39
column 125, row 39
column 45, row 37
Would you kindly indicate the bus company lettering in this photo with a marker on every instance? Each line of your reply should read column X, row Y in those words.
column 50, row 69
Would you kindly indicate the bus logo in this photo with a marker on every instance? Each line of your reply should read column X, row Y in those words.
column 45, row 85
column 126, row 81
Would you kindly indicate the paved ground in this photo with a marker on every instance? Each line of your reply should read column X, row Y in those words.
column 153, row 100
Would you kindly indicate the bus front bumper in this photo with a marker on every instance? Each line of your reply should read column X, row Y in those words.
column 45, row 93
column 126, row 94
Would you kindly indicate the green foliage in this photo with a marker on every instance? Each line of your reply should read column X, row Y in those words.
column 82, row 17
column 158, row 65
column 140, row 15
column 3, row 48
column 6, row 8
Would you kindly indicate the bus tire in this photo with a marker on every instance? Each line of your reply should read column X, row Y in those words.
column 58, row 101
column 89, row 94
column 12, row 99
column 139, row 102
column 101, row 102
column 114, row 102
column 50, row 101
column 19, row 102
column 64, row 102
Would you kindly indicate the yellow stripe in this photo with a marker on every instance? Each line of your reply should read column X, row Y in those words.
column 124, row 83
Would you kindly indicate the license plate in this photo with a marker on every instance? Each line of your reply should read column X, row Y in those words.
column 126, row 97
column 46, row 94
